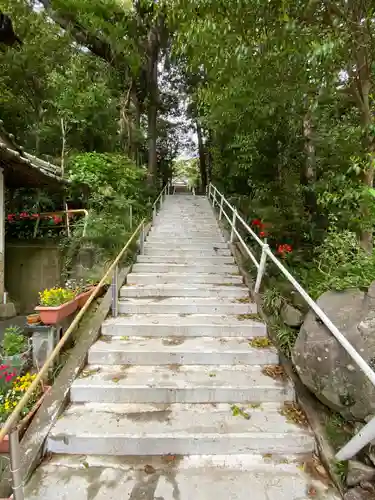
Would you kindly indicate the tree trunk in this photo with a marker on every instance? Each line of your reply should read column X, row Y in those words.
column 366, row 236
column 153, row 93
column 308, row 172
column 202, row 157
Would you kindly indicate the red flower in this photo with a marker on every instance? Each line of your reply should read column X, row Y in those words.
column 3, row 367
column 57, row 219
column 10, row 217
column 262, row 234
column 24, row 215
column 256, row 222
column 8, row 378
column 35, row 216
column 283, row 249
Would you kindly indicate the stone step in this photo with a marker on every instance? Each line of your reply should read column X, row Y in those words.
column 172, row 325
column 192, row 245
column 118, row 430
column 222, row 477
column 154, row 278
column 178, row 384
column 185, row 239
column 173, row 252
column 166, row 259
column 179, row 350
column 184, row 305
column 144, row 267
column 175, row 290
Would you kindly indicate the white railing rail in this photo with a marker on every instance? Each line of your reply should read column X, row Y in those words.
column 367, row 434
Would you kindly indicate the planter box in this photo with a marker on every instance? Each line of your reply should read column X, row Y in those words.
column 25, row 422
column 83, row 297
column 53, row 315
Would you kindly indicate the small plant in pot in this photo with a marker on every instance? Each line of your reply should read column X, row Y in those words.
column 56, row 304
column 15, row 350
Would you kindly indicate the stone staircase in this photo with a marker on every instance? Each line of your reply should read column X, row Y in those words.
column 174, row 403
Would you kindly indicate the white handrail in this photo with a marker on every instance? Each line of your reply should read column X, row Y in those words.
column 367, row 434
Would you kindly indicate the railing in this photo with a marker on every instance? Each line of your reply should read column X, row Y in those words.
column 10, row 426
column 367, row 434
column 65, row 213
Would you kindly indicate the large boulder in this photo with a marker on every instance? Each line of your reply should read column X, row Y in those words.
column 325, row 367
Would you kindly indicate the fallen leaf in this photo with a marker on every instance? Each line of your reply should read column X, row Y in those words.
column 149, row 469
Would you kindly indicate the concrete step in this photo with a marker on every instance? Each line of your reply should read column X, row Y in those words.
column 222, row 477
column 184, row 305
column 144, row 267
column 185, row 239
column 173, row 252
column 175, row 290
column 193, row 245
column 179, row 350
column 154, row 278
column 172, row 325
column 168, row 259
column 117, row 429
column 178, row 384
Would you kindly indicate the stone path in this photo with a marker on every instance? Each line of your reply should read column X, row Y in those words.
column 174, row 403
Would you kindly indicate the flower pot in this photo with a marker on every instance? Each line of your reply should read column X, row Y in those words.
column 53, row 315
column 83, row 297
column 33, row 319
column 25, row 422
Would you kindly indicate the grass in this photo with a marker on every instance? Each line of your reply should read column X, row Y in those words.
column 337, row 430
column 341, row 471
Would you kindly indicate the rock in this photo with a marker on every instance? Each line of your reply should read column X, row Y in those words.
column 291, row 316
column 325, row 367
column 358, row 472
column 358, row 493
column 366, row 485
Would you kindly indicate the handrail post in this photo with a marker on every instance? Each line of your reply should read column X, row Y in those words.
column 153, row 213
column 214, row 198
column 114, row 287
column 261, row 269
column 234, row 218
column 209, row 191
column 15, row 464
column 221, row 207
column 142, row 240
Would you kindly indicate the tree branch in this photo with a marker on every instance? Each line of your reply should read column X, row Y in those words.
column 97, row 46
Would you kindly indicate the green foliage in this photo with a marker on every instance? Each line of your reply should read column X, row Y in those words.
column 117, row 192
column 339, row 263
column 14, row 342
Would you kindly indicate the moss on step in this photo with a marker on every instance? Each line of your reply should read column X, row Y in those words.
column 260, row 342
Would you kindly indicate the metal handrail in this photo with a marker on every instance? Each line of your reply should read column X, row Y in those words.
column 66, row 213
column 14, row 416
column 367, row 434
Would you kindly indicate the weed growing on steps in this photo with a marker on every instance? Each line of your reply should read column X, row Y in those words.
column 260, row 342
column 285, row 335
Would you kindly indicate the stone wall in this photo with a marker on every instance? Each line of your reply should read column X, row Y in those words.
column 29, row 268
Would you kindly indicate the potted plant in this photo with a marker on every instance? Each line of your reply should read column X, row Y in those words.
column 56, row 304
column 15, row 348
column 9, row 398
